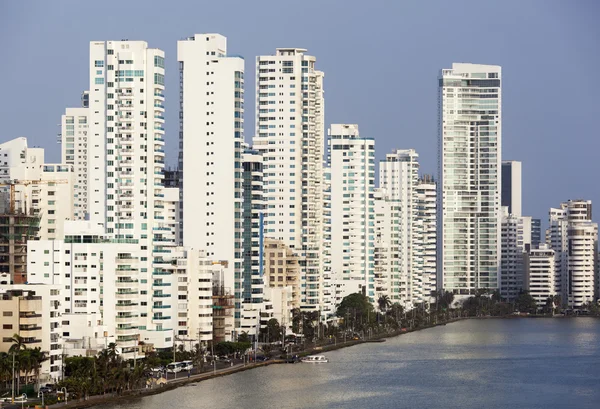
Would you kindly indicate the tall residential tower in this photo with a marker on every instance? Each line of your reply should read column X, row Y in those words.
column 469, row 157
column 290, row 134
column 211, row 137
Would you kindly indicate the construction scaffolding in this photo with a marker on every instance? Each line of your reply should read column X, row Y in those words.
column 223, row 304
column 17, row 225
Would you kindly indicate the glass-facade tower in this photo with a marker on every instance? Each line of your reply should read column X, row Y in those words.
column 469, row 162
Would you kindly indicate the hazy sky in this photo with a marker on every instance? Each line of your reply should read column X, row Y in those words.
column 381, row 61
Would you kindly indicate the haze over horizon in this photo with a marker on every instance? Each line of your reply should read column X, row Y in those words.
column 381, row 63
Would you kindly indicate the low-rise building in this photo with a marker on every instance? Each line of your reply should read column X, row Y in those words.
column 540, row 274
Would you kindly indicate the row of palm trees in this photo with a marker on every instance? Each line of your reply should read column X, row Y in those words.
column 26, row 362
column 105, row 373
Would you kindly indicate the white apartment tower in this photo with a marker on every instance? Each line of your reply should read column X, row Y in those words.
column 386, row 246
column 352, row 208
column 426, row 217
column 290, row 134
column 574, row 238
column 515, row 241
column 469, row 155
column 125, row 165
column 399, row 178
column 74, row 151
column 211, row 137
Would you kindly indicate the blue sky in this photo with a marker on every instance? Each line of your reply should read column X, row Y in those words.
column 381, row 60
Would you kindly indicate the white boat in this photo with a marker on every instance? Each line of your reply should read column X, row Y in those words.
column 315, row 359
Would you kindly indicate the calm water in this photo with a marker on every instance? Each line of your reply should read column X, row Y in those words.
column 519, row 363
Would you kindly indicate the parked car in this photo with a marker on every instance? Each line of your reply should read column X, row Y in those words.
column 45, row 390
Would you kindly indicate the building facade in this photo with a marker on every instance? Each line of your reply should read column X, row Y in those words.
column 540, row 276
column 74, row 151
column 515, row 241
column 469, row 179
column 399, row 178
column 426, row 244
column 574, row 238
column 511, row 186
column 290, row 133
column 211, row 137
column 352, row 208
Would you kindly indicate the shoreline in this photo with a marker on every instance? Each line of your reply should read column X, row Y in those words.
column 97, row 400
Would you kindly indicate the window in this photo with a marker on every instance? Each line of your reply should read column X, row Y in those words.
column 99, row 63
column 7, row 326
column 159, row 79
column 159, row 61
column 7, row 313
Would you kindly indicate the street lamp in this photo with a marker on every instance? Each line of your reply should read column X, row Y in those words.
column 66, row 396
column 214, row 366
column 41, row 393
column 23, row 399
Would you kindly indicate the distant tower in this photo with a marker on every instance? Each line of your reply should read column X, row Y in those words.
column 511, row 186
column 352, row 230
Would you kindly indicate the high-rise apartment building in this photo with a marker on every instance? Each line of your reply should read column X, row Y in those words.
column 515, row 241
column 511, row 193
column 74, row 151
column 386, row 244
column 352, row 207
column 536, row 232
column 426, row 244
column 290, row 134
column 253, row 205
column 574, row 238
column 399, row 178
column 125, row 167
column 211, row 137
column 469, row 157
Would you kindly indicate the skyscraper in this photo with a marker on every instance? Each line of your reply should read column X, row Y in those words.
column 514, row 243
column 426, row 245
column 125, row 163
column 290, row 135
column 211, row 137
column 511, row 186
column 74, row 150
column 398, row 177
column 469, row 150
column 352, row 208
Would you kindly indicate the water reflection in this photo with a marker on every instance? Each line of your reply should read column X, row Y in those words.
column 516, row 363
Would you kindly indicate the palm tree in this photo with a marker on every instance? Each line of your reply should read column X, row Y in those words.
column 18, row 343
column 37, row 357
column 384, row 302
column 17, row 346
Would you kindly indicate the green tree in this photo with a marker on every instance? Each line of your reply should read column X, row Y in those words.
column 272, row 331
column 356, row 310
column 244, row 337
column 384, row 303
column 526, row 303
